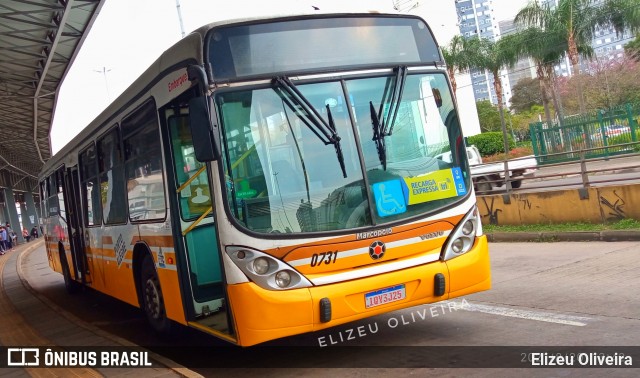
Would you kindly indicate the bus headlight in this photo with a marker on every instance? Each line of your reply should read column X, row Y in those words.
column 260, row 265
column 463, row 236
column 457, row 245
column 265, row 270
column 468, row 227
column 283, row 278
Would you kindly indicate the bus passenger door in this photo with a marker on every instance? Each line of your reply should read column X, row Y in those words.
column 76, row 230
column 195, row 221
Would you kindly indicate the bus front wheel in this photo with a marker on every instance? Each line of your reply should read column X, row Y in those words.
column 152, row 299
column 482, row 185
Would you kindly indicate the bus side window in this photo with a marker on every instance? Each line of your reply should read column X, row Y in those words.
column 112, row 178
column 90, row 187
column 143, row 164
column 59, row 192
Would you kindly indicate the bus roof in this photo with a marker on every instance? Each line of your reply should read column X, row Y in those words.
column 190, row 48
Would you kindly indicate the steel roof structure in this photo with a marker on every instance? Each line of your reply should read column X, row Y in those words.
column 39, row 40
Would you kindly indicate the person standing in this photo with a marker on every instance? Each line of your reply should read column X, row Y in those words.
column 10, row 236
column 3, row 240
column 34, row 232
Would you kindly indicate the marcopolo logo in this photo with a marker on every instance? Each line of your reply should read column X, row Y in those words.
column 377, row 250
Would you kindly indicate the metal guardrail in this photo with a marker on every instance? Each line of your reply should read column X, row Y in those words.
column 574, row 168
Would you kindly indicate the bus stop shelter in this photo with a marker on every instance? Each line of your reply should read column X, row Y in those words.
column 39, row 39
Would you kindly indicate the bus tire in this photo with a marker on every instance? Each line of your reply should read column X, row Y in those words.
column 482, row 185
column 516, row 184
column 152, row 299
column 70, row 284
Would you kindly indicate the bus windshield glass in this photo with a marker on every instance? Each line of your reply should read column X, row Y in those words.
column 282, row 176
column 305, row 45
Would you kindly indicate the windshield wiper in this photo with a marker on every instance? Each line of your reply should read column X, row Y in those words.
column 383, row 124
column 325, row 131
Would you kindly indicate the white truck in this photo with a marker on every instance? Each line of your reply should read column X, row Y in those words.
column 491, row 175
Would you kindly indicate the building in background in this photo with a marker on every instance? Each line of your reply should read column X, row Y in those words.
column 442, row 23
column 606, row 45
column 476, row 19
column 525, row 67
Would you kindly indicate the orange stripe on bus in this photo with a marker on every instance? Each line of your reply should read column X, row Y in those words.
column 408, row 231
column 155, row 240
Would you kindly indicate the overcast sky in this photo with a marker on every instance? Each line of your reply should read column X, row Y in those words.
column 129, row 35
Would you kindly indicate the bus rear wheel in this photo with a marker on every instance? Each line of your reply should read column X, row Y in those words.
column 70, row 284
column 152, row 299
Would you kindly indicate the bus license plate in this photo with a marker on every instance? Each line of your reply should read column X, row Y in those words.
column 384, row 296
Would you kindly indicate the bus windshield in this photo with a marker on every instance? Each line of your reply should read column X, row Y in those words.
column 283, row 176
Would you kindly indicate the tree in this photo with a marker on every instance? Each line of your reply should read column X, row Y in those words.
column 526, row 93
column 608, row 84
column 545, row 46
column 488, row 115
column 455, row 59
column 578, row 19
column 485, row 54
column 632, row 48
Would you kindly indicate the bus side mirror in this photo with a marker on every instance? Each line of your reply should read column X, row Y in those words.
column 206, row 140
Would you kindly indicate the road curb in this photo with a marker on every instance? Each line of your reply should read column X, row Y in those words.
column 166, row 362
column 577, row 236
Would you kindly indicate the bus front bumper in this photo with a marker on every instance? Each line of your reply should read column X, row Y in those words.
column 261, row 315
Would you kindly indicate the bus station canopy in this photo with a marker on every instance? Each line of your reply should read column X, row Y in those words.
column 39, row 40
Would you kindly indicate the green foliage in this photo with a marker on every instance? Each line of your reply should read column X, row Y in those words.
column 625, row 138
column 526, row 93
column 524, row 144
column 632, row 48
column 488, row 115
column 624, row 224
column 490, row 143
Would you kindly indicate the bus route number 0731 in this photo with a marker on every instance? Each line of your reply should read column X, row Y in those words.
column 326, row 257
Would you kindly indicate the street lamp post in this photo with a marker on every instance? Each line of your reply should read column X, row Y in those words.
column 104, row 71
column 180, row 18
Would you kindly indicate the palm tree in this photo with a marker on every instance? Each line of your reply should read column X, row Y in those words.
column 579, row 20
column 620, row 14
column 484, row 54
column 545, row 48
column 455, row 58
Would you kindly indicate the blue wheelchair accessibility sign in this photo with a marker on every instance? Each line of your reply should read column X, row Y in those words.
column 389, row 198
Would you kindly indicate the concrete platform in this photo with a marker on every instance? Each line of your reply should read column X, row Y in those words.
column 28, row 319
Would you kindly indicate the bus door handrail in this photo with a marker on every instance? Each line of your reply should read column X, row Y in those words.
column 181, row 188
column 197, row 221
column 206, row 213
column 243, row 156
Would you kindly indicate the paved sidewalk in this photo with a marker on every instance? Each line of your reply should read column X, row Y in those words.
column 27, row 318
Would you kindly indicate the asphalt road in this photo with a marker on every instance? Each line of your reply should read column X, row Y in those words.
column 544, row 295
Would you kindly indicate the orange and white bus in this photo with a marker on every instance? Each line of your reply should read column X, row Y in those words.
column 271, row 177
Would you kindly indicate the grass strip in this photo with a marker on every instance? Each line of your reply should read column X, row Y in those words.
column 624, row 224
